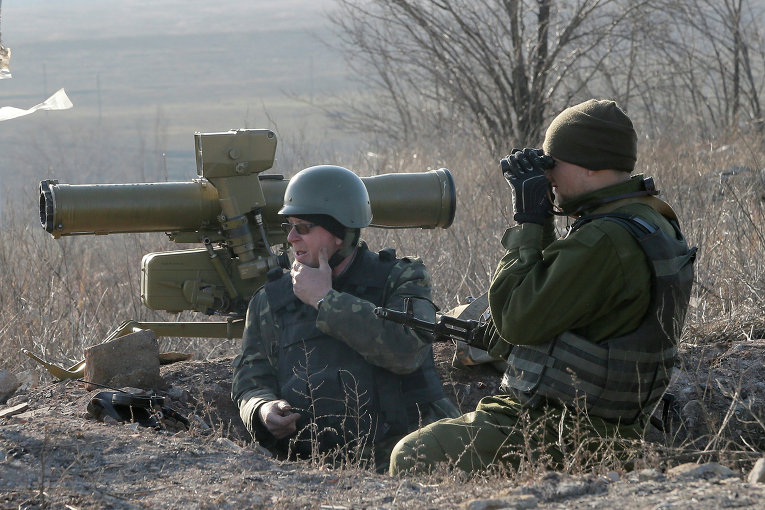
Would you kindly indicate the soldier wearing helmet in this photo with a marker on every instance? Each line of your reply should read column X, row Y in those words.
column 318, row 372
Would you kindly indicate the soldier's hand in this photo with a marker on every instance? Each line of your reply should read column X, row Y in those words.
column 524, row 170
column 278, row 418
column 310, row 284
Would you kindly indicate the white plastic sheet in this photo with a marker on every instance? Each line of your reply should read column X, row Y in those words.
column 58, row 101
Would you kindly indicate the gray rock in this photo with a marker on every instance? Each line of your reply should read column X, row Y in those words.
column 260, row 450
column 650, row 475
column 229, row 444
column 691, row 470
column 29, row 379
column 757, row 474
column 521, row 502
column 131, row 360
column 179, row 395
column 13, row 410
column 571, row 489
column 8, row 385
column 110, row 421
column 693, row 414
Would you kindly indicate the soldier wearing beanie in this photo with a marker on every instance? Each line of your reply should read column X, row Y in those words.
column 588, row 323
column 596, row 135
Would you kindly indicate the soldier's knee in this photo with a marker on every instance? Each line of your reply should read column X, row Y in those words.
column 417, row 452
column 403, row 457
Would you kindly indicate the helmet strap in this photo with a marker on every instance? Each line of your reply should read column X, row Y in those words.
column 350, row 242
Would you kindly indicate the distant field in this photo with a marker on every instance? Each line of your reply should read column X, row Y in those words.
column 197, row 82
column 138, row 94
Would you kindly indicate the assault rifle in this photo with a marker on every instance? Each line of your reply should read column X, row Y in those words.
column 444, row 329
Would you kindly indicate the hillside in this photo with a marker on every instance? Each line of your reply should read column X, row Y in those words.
column 54, row 455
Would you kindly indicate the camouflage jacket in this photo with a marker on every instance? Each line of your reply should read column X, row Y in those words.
column 342, row 316
column 594, row 282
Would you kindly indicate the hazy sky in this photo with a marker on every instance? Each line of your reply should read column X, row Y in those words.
column 26, row 21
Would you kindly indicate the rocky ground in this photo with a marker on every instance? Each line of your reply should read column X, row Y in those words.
column 53, row 454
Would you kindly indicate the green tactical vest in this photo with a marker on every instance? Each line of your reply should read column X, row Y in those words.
column 620, row 378
column 343, row 399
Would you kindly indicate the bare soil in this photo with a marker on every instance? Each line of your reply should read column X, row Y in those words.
column 55, row 455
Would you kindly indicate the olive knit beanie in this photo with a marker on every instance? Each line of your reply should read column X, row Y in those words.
column 596, row 135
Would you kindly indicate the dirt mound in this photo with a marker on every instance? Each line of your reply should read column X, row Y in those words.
column 54, row 455
column 719, row 392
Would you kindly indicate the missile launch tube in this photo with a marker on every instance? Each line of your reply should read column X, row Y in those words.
column 406, row 200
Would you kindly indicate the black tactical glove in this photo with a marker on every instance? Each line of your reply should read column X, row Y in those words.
column 524, row 170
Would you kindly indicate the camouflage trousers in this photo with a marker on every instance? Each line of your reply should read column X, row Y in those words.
column 502, row 432
column 362, row 453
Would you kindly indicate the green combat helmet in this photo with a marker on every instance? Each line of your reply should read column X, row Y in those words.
column 331, row 190
column 334, row 191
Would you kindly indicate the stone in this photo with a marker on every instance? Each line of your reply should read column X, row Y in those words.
column 14, row 410
column 693, row 415
column 110, row 421
column 264, row 452
column 199, row 423
column 228, row 444
column 130, row 360
column 571, row 489
column 179, row 394
column 757, row 474
column 649, row 475
column 521, row 502
column 8, row 385
column 29, row 379
column 691, row 470
column 166, row 358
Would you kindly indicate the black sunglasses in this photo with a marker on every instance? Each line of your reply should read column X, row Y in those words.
column 302, row 228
